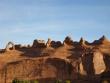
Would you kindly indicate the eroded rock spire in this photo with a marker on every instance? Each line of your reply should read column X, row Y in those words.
column 68, row 41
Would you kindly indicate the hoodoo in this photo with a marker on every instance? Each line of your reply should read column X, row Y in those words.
column 68, row 41
column 82, row 41
column 48, row 44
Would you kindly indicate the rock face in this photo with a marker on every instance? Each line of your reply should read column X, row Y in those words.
column 39, row 44
column 46, row 62
column 55, row 44
column 37, row 69
column 48, row 44
column 68, row 41
column 87, row 64
column 102, row 40
column 18, row 46
column 99, row 64
column 82, row 41
column 92, row 64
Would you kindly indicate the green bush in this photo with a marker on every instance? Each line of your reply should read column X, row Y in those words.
column 24, row 81
column 58, row 81
column 15, row 81
column 67, row 81
column 36, row 81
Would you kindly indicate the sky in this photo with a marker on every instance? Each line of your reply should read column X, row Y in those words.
column 22, row 21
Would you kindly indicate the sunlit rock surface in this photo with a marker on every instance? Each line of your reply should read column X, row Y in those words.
column 52, row 60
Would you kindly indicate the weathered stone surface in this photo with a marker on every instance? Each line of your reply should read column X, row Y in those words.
column 82, row 41
column 81, row 69
column 87, row 65
column 48, row 44
column 18, row 46
column 102, row 40
column 56, row 44
column 99, row 64
column 40, row 68
column 53, row 60
column 39, row 44
column 92, row 64
column 68, row 41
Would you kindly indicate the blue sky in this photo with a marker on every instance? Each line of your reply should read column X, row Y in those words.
column 22, row 21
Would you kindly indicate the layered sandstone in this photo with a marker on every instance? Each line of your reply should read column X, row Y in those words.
column 53, row 60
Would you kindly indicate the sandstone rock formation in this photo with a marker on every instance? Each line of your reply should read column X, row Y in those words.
column 82, row 41
column 18, row 46
column 68, row 41
column 48, row 44
column 55, row 44
column 98, row 61
column 10, row 46
column 102, row 40
column 39, row 44
column 77, row 61
column 92, row 63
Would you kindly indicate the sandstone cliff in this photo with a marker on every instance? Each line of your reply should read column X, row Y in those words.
column 76, row 61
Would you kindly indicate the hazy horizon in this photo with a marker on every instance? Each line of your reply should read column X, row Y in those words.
column 22, row 21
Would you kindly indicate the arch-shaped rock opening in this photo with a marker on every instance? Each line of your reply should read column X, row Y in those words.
column 10, row 46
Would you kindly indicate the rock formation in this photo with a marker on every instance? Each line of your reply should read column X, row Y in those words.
column 92, row 63
column 98, row 61
column 68, row 41
column 80, row 62
column 102, row 40
column 18, row 46
column 55, row 44
column 48, row 44
column 39, row 44
column 10, row 46
column 82, row 41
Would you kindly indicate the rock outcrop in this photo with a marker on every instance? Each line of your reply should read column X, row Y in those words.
column 48, row 44
column 82, row 41
column 102, row 40
column 10, row 46
column 68, row 41
column 55, row 44
column 18, row 46
column 80, row 62
column 98, row 61
column 39, row 44
column 92, row 64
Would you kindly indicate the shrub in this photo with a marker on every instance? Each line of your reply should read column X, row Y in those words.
column 67, row 81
